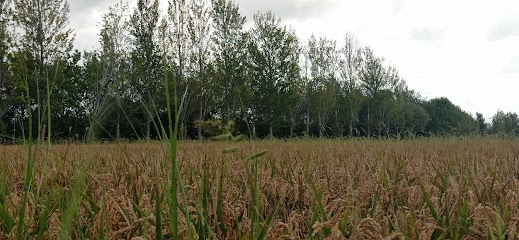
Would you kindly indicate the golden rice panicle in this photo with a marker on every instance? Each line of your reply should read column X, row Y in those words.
column 367, row 229
column 367, row 189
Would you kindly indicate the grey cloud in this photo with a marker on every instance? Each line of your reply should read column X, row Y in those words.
column 86, row 4
column 81, row 10
column 506, row 26
column 84, row 19
column 428, row 35
column 288, row 9
column 504, row 30
column 398, row 6
column 512, row 67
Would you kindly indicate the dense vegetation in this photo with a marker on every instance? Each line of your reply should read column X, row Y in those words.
column 264, row 79
column 318, row 189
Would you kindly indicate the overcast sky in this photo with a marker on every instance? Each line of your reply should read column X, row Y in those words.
column 467, row 51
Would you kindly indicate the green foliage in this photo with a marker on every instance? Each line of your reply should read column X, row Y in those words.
column 230, row 55
column 45, row 40
column 505, row 123
column 483, row 129
column 275, row 71
column 411, row 118
column 448, row 119
column 263, row 79
column 147, row 63
column 322, row 85
column 203, row 82
column 46, row 34
column 7, row 86
column 3, row 130
column 374, row 77
column 351, row 97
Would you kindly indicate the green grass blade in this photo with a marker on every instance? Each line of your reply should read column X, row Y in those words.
column 173, row 132
column 256, row 155
column 43, row 220
column 29, row 171
column 263, row 233
column 219, row 199
column 427, row 199
column 158, row 219
column 6, row 219
column 72, row 207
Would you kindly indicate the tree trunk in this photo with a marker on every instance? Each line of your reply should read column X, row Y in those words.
column 42, row 132
column 320, row 127
column 90, row 131
column 369, row 126
column 307, row 122
column 200, row 118
column 291, row 129
column 271, row 133
column 199, row 133
column 87, row 137
column 351, row 120
column 148, row 127
column 337, row 125
column 253, row 135
column 118, row 126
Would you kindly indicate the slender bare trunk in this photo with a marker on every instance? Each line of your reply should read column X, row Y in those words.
column 339, row 126
column 199, row 133
column 118, row 126
column 351, row 120
column 253, row 135
column 271, row 132
column 320, row 127
column 42, row 132
column 90, row 132
column 200, row 118
column 148, row 126
column 291, row 129
column 369, row 125
column 307, row 121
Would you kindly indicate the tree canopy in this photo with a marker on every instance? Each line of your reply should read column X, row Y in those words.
column 265, row 79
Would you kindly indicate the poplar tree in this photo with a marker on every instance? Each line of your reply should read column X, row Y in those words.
column 199, row 29
column 322, row 57
column 146, row 62
column 105, row 82
column 115, row 57
column 230, row 56
column 45, row 40
column 275, row 56
column 349, row 68
column 6, row 85
column 179, row 38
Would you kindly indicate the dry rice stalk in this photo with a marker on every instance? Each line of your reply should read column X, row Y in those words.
column 367, row 229
column 484, row 218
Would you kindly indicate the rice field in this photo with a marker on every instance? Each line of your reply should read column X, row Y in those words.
column 301, row 189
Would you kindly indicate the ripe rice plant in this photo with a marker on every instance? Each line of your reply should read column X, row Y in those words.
column 301, row 189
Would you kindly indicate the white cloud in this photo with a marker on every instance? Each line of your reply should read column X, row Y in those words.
column 297, row 10
column 512, row 66
column 506, row 23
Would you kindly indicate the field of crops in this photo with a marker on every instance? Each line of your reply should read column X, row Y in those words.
column 319, row 189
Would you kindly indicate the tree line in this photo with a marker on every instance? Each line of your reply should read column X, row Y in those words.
column 264, row 79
